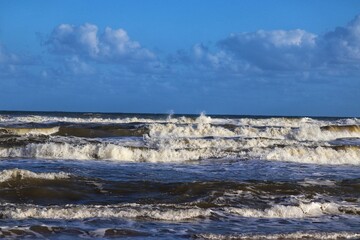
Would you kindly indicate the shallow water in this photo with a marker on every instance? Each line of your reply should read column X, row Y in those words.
column 66, row 176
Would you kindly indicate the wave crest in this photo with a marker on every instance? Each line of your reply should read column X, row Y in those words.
column 280, row 211
column 19, row 174
column 161, row 212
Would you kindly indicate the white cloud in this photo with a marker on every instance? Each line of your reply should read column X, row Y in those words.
column 113, row 45
column 278, row 54
column 335, row 52
column 343, row 44
column 116, row 44
column 272, row 50
column 200, row 57
column 276, row 38
column 78, row 67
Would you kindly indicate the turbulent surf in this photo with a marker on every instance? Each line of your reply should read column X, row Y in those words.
column 92, row 175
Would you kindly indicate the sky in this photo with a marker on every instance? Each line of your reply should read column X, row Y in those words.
column 247, row 57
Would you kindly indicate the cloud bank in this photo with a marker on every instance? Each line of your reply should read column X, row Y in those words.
column 111, row 45
column 282, row 52
column 262, row 53
column 298, row 50
column 272, row 50
column 343, row 44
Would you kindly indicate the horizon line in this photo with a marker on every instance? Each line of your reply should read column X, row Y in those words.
column 176, row 114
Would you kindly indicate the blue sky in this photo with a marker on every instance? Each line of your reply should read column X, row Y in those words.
column 223, row 57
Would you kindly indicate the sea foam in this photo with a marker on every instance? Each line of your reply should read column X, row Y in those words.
column 303, row 210
column 17, row 174
column 108, row 211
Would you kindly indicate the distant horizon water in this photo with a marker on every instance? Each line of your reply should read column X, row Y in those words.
column 172, row 113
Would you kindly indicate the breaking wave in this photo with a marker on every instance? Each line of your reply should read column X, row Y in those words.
column 168, row 212
column 92, row 119
column 197, row 130
column 253, row 174
column 160, row 212
column 195, row 150
column 30, row 131
column 19, row 174
column 302, row 140
column 318, row 155
column 280, row 211
column 108, row 152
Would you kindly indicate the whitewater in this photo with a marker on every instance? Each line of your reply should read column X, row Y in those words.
column 153, row 176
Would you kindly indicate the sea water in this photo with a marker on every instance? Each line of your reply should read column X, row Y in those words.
column 137, row 176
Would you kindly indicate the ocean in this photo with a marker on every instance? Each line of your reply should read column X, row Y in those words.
column 148, row 176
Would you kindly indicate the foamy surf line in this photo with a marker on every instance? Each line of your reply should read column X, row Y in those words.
column 30, row 131
column 303, row 210
column 295, row 235
column 21, row 174
column 171, row 212
column 239, row 121
column 305, row 133
column 202, row 126
column 114, row 152
column 173, row 131
column 87, row 119
column 132, row 211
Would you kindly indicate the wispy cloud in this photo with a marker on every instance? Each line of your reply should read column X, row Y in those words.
column 13, row 65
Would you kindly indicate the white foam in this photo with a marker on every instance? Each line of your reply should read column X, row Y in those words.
column 226, row 144
column 348, row 121
column 268, row 132
column 304, row 133
column 49, row 119
column 188, row 150
column 159, row 212
column 317, row 182
column 295, row 235
column 52, row 119
column 279, row 128
column 109, row 152
column 171, row 141
column 190, row 130
column 10, row 174
column 32, row 131
column 318, row 155
column 314, row 133
column 279, row 122
column 280, row 211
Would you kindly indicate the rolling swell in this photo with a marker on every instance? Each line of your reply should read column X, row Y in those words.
column 48, row 231
column 123, row 130
column 177, row 177
column 24, row 186
column 82, row 130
